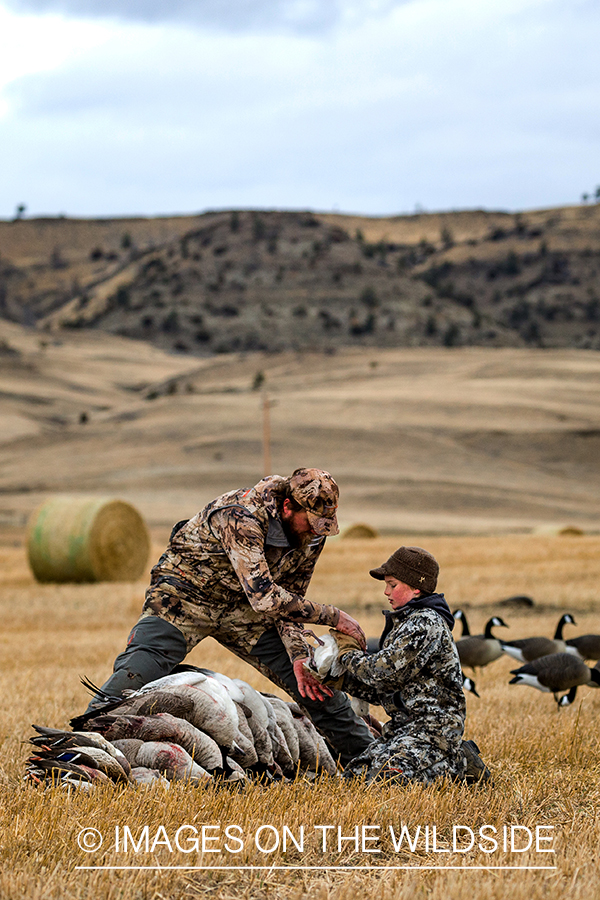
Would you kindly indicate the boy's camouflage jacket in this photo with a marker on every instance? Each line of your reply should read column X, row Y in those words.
column 416, row 677
column 415, row 674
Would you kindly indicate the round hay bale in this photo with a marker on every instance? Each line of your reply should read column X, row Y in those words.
column 79, row 539
column 560, row 530
column 360, row 531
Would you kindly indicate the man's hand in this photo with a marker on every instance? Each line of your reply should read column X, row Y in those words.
column 347, row 625
column 308, row 685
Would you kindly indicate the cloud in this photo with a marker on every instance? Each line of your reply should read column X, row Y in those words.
column 445, row 103
column 302, row 16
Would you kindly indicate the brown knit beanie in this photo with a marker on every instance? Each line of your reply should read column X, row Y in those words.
column 411, row 565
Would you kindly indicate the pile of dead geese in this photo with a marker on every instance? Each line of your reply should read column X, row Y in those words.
column 553, row 665
column 194, row 725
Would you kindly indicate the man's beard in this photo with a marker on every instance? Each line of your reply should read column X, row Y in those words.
column 297, row 541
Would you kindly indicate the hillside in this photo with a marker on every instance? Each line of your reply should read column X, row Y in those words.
column 277, row 281
column 459, row 440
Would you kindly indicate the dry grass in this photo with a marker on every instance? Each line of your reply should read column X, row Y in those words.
column 546, row 764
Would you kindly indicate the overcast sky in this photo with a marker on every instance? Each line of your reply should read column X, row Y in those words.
column 118, row 107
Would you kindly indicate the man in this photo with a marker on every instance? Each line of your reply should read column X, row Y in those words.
column 238, row 572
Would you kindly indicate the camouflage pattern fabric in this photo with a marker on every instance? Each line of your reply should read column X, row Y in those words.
column 416, row 677
column 230, row 573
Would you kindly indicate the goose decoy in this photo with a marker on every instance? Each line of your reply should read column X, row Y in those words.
column 459, row 616
column 527, row 649
column 478, row 650
column 555, row 673
column 586, row 645
column 469, row 685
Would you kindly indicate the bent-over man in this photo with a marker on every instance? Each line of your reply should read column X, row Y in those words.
column 238, row 571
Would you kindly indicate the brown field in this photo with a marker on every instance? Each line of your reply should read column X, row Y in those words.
column 468, row 452
column 422, row 440
column 546, row 763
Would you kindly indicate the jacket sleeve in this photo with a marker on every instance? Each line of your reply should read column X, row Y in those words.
column 359, row 689
column 242, row 538
column 416, row 642
column 293, row 640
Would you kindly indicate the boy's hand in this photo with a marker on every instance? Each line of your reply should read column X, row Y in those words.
column 345, row 643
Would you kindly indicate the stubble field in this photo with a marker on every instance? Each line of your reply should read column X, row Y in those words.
column 546, row 763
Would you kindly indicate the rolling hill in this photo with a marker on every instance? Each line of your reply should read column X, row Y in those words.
column 439, row 440
column 242, row 281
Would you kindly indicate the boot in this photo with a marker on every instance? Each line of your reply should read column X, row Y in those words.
column 477, row 771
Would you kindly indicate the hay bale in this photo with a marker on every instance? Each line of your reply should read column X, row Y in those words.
column 559, row 530
column 360, row 531
column 79, row 539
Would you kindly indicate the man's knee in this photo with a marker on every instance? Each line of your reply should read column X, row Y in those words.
column 154, row 648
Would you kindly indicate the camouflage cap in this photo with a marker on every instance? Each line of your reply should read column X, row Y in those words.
column 317, row 493
column 411, row 565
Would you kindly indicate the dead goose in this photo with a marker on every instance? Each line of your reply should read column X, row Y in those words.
column 586, row 645
column 281, row 751
column 285, row 721
column 258, row 723
column 232, row 688
column 142, row 775
column 131, row 701
column 314, row 754
column 189, row 677
column 555, row 673
column 324, row 661
column 129, row 748
column 528, row 649
column 172, row 760
column 163, row 727
column 245, row 753
column 478, row 650
column 211, row 714
column 56, row 739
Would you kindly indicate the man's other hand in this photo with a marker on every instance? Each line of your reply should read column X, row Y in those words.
column 347, row 625
column 308, row 685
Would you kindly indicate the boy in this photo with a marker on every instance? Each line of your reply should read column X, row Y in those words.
column 416, row 677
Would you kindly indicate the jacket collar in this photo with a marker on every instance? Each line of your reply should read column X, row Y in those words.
column 275, row 534
column 436, row 602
